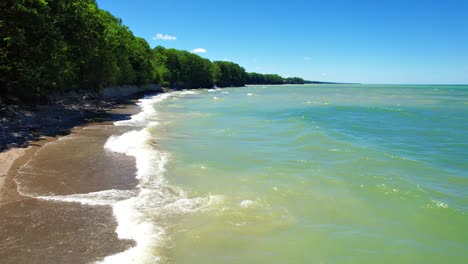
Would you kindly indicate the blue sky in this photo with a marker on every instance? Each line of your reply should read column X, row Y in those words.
column 346, row 41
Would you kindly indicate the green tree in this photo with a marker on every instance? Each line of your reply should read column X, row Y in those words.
column 51, row 46
column 32, row 50
column 182, row 69
column 230, row 74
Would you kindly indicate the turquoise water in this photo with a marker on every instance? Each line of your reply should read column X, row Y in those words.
column 315, row 174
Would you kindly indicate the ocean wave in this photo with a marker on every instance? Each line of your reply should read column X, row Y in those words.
column 247, row 203
column 437, row 204
column 137, row 216
column 147, row 111
column 184, row 92
column 214, row 90
column 137, row 211
column 107, row 197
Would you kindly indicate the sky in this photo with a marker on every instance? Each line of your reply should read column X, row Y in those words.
column 378, row 41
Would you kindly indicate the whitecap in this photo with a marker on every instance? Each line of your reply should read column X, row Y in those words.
column 147, row 111
column 136, row 216
column 247, row 203
column 134, row 210
column 184, row 92
column 439, row 204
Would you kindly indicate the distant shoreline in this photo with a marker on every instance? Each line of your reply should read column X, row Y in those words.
column 309, row 82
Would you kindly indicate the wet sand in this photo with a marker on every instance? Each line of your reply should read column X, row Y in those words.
column 36, row 231
column 9, row 161
column 39, row 231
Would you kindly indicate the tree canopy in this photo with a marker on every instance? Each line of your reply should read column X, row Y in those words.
column 52, row 46
column 258, row 78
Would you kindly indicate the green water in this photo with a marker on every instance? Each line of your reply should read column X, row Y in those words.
column 319, row 173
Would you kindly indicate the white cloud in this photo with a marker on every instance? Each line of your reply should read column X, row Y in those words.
column 163, row 37
column 199, row 50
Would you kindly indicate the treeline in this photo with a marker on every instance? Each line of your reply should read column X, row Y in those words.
column 258, row 78
column 54, row 46
column 182, row 69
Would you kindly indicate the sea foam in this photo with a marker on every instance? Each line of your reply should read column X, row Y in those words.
column 135, row 209
column 147, row 111
column 136, row 215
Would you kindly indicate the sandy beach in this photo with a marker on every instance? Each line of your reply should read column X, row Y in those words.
column 19, row 143
column 11, row 161
column 58, row 232
column 7, row 186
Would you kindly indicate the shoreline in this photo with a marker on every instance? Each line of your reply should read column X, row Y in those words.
column 15, row 154
column 11, row 161
column 9, row 164
column 27, row 217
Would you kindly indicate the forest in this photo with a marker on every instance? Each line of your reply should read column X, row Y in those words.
column 258, row 78
column 55, row 46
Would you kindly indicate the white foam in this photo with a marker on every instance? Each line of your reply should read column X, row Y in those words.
column 439, row 204
column 135, row 216
column 247, row 203
column 148, row 113
column 107, row 197
column 184, row 92
column 135, row 210
column 133, row 225
column 132, row 222
column 192, row 205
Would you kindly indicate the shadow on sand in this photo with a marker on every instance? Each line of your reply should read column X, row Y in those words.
column 21, row 125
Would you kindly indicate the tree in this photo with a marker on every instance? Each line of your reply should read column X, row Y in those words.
column 182, row 69
column 229, row 74
column 51, row 46
column 258, row 78
column 32, row 50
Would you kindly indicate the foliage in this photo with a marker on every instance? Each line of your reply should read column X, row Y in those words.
column 229, row 74
column 258, row 78
column 31, row 49
column 182, row 69
column 294, row 80
column 51, row 46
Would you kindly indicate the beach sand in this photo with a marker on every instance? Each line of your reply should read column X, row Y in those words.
column 11, row 161
column 40, row 231
column 7, row 160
